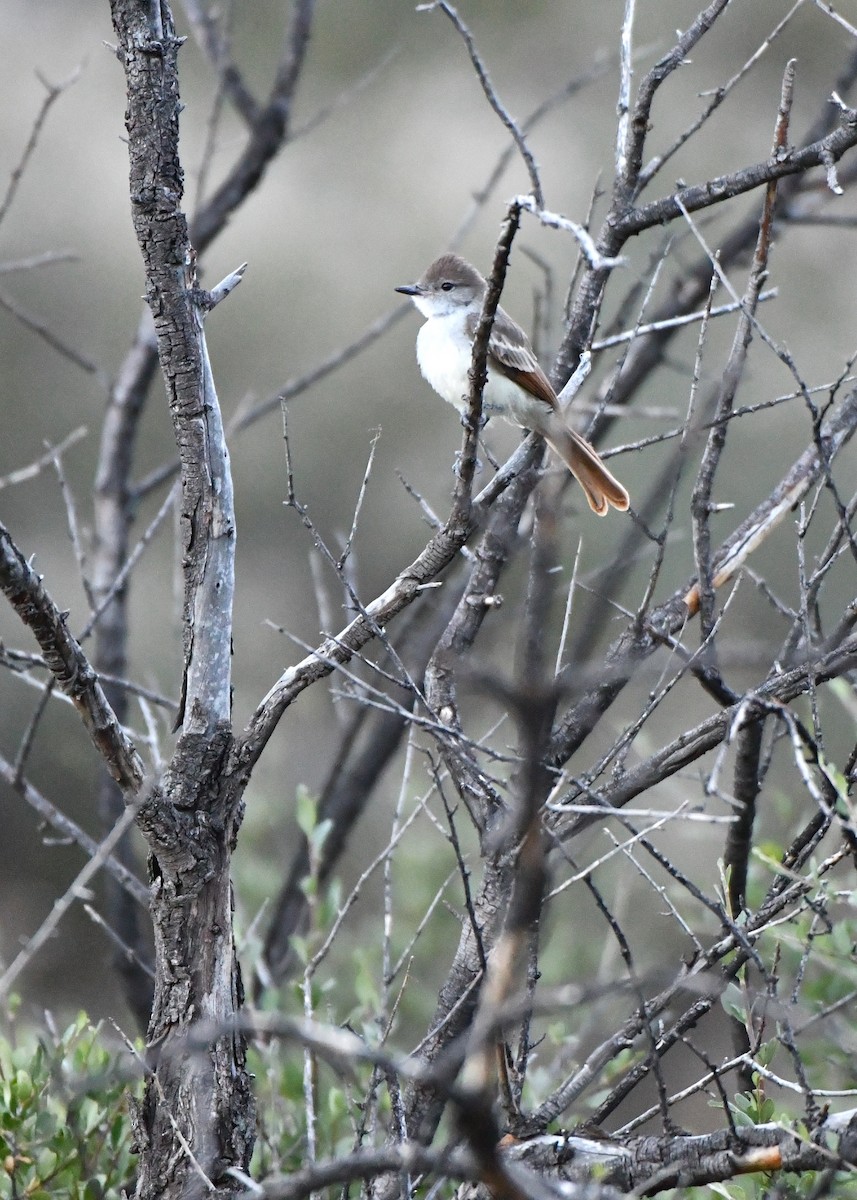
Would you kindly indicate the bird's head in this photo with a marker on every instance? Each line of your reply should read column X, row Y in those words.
column 449, row 284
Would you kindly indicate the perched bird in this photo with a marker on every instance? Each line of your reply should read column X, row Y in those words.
column 450, row 294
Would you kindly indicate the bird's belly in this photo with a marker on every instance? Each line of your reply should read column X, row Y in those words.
column 445, row 361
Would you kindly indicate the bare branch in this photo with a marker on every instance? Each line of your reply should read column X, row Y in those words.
column 50, row 455
column 37, row 326
column 827, row 7
column 69, row 665
column 491, row 95
column 203, row 24
column 269, row 132
column 54, row 91
column 826, row 152
column 221, row 290
column 584, row 239
column 631, row 335
column 67, row 828
column 48, row 259
column 74, row 892
column 631, row 154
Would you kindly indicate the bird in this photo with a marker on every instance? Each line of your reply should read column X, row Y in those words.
column 450, row 295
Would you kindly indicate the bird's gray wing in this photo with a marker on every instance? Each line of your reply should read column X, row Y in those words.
column 509, row 351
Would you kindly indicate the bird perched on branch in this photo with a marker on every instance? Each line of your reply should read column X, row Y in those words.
column 450, row 294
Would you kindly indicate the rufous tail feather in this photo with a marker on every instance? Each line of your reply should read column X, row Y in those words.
column 600, row 487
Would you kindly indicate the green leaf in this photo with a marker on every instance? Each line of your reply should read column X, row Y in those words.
column 720, row 1189
column 732, row 1001
column 301, row 947
column 766, row 1053
column 23, row 1086
column 46, row 1162
column 319, row 835
column 91, row 1115
column 365, row 985
column 45, row 1125
column 306, row 810
column 337, row 1104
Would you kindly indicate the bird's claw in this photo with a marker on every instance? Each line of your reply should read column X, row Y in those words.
column 456, row 466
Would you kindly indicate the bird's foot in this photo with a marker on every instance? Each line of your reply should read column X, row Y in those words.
column 456, row 466
column 483, row 421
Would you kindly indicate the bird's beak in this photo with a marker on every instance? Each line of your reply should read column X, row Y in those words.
column 409, row 289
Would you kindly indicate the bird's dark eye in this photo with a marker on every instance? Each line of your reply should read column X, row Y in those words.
column 447, row 286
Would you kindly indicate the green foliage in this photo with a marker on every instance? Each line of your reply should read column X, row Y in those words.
column 314, row 831
column 283, row 1105
column 755, row 1107
column 64, row 1125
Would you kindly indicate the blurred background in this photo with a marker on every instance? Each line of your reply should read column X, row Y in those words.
column 392, row 140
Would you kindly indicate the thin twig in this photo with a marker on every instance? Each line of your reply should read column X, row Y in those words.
column 491, row 95
column 130, row 563
column 361, row 495
column 34, row 261
column 23, row 474
column 63, row 655
column 74, row 530
column 54, row 91
column 37, row 326
column 720, row 94
column 630, row 335
column 75, row 891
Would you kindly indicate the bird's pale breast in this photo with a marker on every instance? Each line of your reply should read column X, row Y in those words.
column 445, row 355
